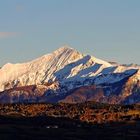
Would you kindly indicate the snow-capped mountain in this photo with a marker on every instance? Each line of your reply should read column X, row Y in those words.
column 54, row 76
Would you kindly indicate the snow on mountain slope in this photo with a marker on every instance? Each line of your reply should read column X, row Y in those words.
column 37, row 71
column 67, row 67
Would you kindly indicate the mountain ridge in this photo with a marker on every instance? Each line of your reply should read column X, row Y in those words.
column 64, row 69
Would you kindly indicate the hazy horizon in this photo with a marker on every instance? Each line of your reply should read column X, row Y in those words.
column 109, row 30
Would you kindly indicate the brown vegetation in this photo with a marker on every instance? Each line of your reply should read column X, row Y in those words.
column 87, row 112
column 84, row 121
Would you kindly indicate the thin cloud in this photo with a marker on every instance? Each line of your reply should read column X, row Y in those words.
column 8, row 34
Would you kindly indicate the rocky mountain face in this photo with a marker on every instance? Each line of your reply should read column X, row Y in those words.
column 69, row 76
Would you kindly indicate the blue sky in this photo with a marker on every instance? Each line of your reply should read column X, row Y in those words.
column 108, row 29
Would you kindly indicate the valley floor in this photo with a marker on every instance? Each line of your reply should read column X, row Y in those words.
column 87, row 121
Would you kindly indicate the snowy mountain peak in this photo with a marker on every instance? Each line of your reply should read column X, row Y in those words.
column 65, row 65
column 65, row 48
column 54, row 75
